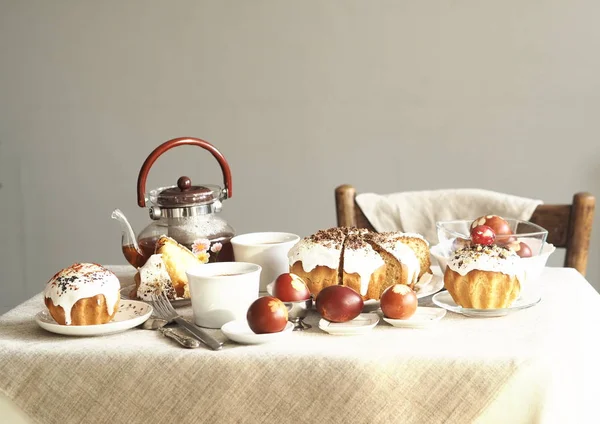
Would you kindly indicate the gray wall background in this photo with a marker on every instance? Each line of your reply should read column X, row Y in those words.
column 299, row 97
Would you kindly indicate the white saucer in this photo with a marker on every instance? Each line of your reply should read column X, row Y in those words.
column 239, row 332
column 527, row 300
column 422, row 318
column 131, row 313
column 427, row 285
column 359, row 325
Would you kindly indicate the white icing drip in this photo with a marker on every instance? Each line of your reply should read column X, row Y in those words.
column 314, row 254
column 81, row 281
column 154, row 278
column 489, row 259
column 406, row 256
column 364, row 262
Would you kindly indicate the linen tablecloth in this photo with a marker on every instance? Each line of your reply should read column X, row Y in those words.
column 536, row 365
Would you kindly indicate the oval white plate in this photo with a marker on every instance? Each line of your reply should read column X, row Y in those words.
column 178, row 302
column 239, row 332
column 131, row 313
column 423, row 317
column 527, row 300
column 425, row 287
column 359, row 325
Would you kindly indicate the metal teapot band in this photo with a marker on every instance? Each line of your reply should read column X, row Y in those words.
column 184, row 212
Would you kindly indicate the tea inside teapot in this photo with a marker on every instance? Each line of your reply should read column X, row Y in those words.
column 219, row 250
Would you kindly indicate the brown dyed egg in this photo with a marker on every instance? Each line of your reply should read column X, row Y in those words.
column 496, row 223
column 267, row 314
column 520, row 248
column 289, row 287
column 339, row 303
column 398, row 302
column 505, row 240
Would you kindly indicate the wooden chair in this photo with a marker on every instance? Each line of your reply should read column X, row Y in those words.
column 569, row 226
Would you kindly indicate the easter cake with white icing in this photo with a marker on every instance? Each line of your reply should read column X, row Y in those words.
column 83, row 294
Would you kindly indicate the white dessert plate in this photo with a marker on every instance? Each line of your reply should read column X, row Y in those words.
column 131, row 313
column 178, row 302
column 371, row 305
column 428, row 284
column 360, row 325
column 238, row 331
column 422, row 318
column 426, row 288
column 527, row 300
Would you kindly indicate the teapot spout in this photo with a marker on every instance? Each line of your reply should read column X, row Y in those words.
column 129, row 244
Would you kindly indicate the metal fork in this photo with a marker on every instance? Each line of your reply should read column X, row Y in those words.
column 163, row 309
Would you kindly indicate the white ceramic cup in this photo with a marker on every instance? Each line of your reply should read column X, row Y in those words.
column 268, row 249
column 222, row 291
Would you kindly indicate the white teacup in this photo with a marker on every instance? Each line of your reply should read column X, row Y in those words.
column 222, row 291
column 268, row 249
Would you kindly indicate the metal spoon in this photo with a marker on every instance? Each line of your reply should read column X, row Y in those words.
column 154, row 324
column 158, row 324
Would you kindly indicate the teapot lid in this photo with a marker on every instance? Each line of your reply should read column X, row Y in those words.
column 185, row 194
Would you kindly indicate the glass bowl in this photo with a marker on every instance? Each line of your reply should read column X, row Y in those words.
column 452, row 233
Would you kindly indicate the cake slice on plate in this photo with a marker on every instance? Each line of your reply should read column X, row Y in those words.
column 177, row 259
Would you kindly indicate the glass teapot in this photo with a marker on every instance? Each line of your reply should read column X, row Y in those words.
column 185, row 212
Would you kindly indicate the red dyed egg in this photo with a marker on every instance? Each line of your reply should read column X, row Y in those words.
column 482, row 234
column 339, row 303
column 398, row 302
column 267, row 314
column 520, row 248
column 289, row 287
column 498, row 224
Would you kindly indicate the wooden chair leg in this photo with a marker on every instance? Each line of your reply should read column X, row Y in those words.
column 580, row 229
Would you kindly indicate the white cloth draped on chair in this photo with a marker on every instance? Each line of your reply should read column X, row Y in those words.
column 418, row 211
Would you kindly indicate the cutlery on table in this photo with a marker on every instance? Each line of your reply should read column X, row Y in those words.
column 164, row 310
column 158, row 324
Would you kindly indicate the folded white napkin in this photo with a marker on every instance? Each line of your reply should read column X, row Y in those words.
column 418, row 211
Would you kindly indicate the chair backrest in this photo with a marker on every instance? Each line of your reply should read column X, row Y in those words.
column 569, row 226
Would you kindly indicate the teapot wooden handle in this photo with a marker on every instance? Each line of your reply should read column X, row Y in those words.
column 167, row 145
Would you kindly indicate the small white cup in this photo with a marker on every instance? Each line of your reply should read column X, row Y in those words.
column 268, row 249
column 222, row 291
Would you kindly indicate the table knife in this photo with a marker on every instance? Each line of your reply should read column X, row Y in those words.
column 199, row 333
